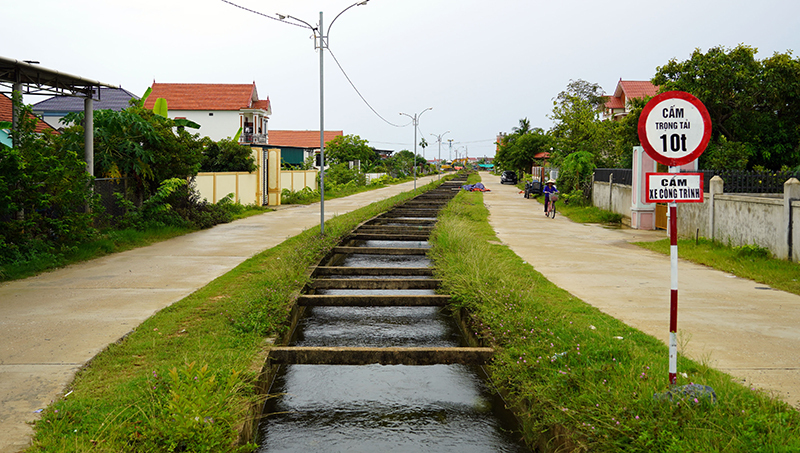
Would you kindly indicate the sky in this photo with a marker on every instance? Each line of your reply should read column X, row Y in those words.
column 481, row 66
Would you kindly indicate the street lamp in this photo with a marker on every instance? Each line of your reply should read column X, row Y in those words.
column 415, row 121
column 439, row 139
column 319, row 33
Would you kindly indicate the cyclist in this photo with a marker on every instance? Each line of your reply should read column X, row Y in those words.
column 549, row 188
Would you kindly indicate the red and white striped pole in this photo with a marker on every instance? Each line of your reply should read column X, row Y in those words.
column 673, row 299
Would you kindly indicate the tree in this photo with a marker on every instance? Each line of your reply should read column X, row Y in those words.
column 44, row 190
column 400, row 164
column 227, row 155
column 577, row 126
column 754, row 105
column 346, row 148
column 140, row 145
column 516, row 151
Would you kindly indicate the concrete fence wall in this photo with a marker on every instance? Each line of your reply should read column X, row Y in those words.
column 297, row 180
column 771, row 221
column 214, row 186
column 612, row 197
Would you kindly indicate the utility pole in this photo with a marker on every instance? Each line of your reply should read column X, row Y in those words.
column 439, row 163
column 450, row 155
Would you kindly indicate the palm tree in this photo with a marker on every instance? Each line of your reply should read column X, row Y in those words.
column 523, row 128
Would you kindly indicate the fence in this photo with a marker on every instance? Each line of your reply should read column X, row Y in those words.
column 738, row 181
column 105, row 188
column 761, row 208
column 621, row 175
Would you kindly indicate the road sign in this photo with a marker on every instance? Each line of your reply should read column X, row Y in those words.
column 674, row 187
column 674, row 128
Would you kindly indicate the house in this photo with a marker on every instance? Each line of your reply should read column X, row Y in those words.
column 220, row 109
column 297, row 146
column 51, row 110
column 618, row 104
column 6, row 114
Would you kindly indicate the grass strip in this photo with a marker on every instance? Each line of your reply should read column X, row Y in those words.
column 580, row 380
column 584, row 214
column 749, row 261
column 107, row 242
column 185, row 378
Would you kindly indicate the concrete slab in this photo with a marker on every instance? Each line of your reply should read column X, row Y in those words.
column 52, row 324
column 734, row 324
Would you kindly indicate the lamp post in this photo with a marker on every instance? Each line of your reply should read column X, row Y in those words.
column 415, row 121
column 322, row 44
column 439, row 139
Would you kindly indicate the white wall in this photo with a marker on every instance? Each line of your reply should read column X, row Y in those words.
column 219, row 125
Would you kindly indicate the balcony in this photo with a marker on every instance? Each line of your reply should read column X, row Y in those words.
column 253, row 139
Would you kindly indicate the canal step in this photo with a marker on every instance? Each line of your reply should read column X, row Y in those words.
column 380, row 250
column 384, row 220
column 393, row 300
column 388, row 237
column 398, row 229
column 424, row 213
column 305, row 355
column 371, row 271
column 375, row 283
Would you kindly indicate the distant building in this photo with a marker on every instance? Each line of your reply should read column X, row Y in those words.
column 6, row 114
column 220, row 109
column 51, row 110
column 618, row 105
column 297, row 146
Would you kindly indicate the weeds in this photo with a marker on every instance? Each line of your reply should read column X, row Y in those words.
column 747, row 261
column 183, row 380
column 580, row 380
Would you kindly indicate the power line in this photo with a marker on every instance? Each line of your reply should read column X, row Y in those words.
column 266, row 15
column 359, row 93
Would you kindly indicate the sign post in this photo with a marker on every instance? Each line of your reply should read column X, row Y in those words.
column 674, row 129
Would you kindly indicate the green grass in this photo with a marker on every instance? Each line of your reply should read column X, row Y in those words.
column 308, row 196
column 581, row 380
column 585, row 214
column 107, row 242
column 749, row 262
column 185, row 378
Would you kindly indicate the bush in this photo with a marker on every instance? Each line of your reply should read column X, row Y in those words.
column 227, row 155
column 176, row 203
column 44, row 193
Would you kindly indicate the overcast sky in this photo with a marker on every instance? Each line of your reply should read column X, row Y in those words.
column 481, row 65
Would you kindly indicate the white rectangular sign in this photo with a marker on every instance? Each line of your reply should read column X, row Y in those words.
column 674, row 187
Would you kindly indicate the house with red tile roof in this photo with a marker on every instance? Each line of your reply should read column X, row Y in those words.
column 297, row 146
column 220, row 109
column 618, row 104
column 6, row 114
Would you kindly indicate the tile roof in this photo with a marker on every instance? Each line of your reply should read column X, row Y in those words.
column 204, row 96
column 635, row 89
column 110, row 98
column 300, row 139
column 615, row 103
column 6, row 114
column 630, row 89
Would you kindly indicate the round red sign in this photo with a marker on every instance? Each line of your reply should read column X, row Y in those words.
column 674, row 128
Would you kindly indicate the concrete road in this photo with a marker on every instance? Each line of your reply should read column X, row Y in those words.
column 738, row 326
column 52, row 324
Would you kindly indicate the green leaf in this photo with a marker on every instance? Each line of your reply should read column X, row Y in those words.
column 145, row 96
column 5, row 124
column 186, row 123
column 160, row 107
column 238, row 134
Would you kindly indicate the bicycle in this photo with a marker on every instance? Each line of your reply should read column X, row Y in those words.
column 551, row 206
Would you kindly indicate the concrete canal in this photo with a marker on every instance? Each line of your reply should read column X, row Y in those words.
column 377, row 362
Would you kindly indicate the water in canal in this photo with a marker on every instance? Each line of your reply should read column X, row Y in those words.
column 379, row 408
